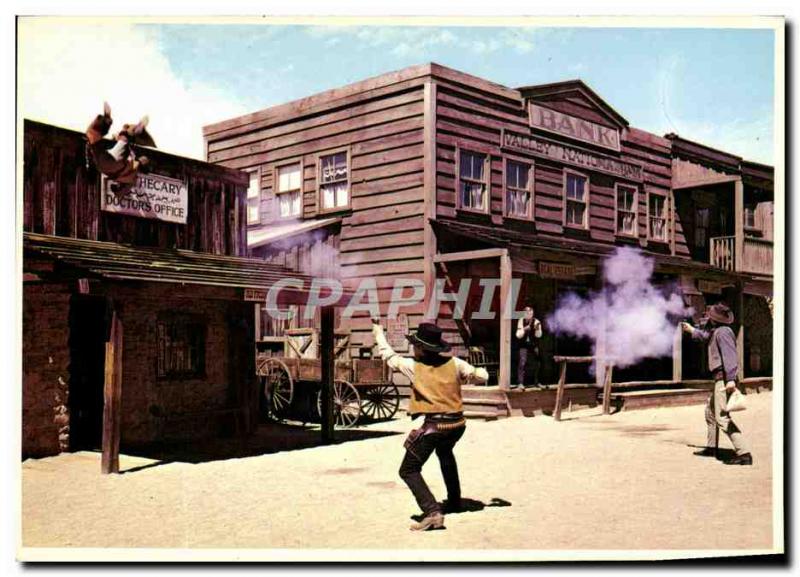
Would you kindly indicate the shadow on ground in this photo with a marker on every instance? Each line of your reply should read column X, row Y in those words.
column 268, row 438
column 470, row 506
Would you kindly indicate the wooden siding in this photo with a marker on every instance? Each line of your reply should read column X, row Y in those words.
column 472, row 119
column 61, row 196
column 381, row 235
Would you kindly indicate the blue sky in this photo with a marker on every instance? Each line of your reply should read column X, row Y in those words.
column 711, row 85
column 684, row 80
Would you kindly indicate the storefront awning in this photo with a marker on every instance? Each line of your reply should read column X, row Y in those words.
column 120, row 262
column 271, row 234
column 520, row 242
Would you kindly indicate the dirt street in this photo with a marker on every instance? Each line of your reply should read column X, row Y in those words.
column 626, row 481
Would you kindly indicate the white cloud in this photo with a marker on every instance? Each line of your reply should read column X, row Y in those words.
column 417, row 41
column 68, row 67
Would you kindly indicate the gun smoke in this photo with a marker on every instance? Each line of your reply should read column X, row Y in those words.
column 630, row 319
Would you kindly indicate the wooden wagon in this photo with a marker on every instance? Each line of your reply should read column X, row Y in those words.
column 292, row 382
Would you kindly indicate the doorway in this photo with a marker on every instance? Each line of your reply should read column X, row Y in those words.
column 87, row 325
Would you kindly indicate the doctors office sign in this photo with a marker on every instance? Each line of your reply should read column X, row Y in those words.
column 153, row 196
column 571, row 155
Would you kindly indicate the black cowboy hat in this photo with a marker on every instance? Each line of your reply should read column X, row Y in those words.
column 720, row 313
column 429, row 337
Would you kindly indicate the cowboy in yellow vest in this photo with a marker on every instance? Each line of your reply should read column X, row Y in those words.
column 436, row 382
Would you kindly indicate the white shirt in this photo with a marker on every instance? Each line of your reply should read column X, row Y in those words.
column 466, row 373
column 537, row 328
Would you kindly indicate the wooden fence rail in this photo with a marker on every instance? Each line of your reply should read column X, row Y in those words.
column 562, row 381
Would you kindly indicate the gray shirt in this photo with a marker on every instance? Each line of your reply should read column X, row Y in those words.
column 722, row 354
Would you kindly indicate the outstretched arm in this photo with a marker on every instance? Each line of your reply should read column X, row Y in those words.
column 469, row 375
column 396, row 362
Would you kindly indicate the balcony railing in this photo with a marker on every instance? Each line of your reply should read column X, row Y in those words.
column 756, row 256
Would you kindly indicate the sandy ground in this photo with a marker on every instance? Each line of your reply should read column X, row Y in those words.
column 625, row 481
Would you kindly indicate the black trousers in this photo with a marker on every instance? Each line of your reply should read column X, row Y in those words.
column 418, row 453
column 528, row 359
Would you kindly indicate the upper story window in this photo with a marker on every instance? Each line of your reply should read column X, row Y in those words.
column 334, row 181
column 289, row 190
column 626, row 210
column 576, row 209
column 254, row 197
column 518, row 189
column 750, row 217
column 701, row 222
column 657, row 217
column 473, row 181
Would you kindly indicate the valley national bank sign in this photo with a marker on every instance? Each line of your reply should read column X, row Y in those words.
column 577, row 157
column 153, row 196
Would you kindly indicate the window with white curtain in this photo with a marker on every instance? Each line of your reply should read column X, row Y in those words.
column 289, row 190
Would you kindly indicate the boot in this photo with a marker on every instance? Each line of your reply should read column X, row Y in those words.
column 745, row 459
column 430, row 521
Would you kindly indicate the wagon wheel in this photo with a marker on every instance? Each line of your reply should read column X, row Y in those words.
column 346, row 404
column 278, row 386
column 381, row 402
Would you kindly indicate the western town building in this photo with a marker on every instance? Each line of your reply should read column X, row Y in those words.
column 138, row 320
column 429, row 173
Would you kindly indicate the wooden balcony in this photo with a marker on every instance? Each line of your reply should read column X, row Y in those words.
column 757, row 254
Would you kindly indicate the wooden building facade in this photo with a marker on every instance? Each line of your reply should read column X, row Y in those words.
column 429, row 173
column 135, row 330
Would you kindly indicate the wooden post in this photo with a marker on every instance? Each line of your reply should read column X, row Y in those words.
column 429, row 187
column 112, row 397
column 677, row 354
column 738, row 311
column 607, row 389
column 562, row 379
column 326, row 345
column 738, row 210
column 506, row 320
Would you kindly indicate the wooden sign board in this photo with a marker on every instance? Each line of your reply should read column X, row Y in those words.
column 153, row 196
column 255, row 295
column 574, row 156
column 573, row 127
column 557, row 270
column 710, row 287
column 396, row 331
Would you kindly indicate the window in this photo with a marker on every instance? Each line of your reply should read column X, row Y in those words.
column 289, row 190
column 750, row 217
column 472, row 181
column 181, row 347
column 701, row 227
column 254, row 197
column 576, row 202
column 657, row 217
column 518, row 189
column 334, row 182
column 626, row 210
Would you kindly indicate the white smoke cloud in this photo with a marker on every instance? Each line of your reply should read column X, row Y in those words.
column 67, row 67
column 630, row 319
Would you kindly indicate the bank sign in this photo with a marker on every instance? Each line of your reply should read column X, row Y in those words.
column 577, row 157
column 153, row 196
column 573, row 127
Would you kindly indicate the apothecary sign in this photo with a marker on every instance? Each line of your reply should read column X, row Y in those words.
column 573, row 127
column 153, row 196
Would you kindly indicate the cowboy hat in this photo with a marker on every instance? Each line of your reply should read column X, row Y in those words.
column 720, row 313
column 429, row 337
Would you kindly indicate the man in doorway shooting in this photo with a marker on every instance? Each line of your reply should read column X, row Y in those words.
column 436, row 382
column 723, row 362
column 529, row 333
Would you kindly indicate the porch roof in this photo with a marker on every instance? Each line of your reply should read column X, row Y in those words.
column 519, row 241
column 115, row 261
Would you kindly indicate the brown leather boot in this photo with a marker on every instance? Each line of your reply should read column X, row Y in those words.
column 429, row 522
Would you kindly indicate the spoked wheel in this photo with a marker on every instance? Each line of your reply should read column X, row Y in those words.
column 278, row 386
column 346, row 404
column 380, row 402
